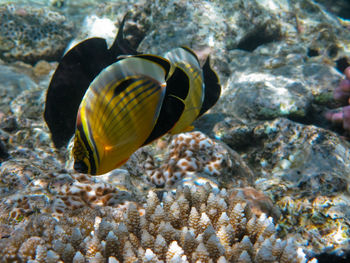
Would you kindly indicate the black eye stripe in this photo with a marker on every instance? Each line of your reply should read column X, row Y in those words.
column 87, row 145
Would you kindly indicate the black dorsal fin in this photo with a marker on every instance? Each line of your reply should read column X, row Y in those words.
column 173, row 106
column 121, row 46
column 170, row 113
column 77, row 69
column 164, row 63
column 191, row 52
column 212, row 88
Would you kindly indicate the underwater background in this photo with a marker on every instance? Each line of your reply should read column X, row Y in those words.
column 264, row 177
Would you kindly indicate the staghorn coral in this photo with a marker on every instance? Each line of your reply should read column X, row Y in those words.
column 195, row 224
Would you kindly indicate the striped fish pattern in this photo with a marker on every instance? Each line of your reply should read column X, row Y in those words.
column 126, row 102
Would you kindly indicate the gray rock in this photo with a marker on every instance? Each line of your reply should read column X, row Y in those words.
column 255, row 91
column 31, row 33
column 11, row 85
column 304, row 169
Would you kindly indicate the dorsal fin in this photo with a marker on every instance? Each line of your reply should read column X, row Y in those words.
column 212, row 87
column 178, row 84
column 191, row 51
column 77, row 69
column 75, row 72
column 164, row 63
column 173, row 105
column 121, row 46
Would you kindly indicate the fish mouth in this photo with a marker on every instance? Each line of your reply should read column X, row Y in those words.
column 80, row 167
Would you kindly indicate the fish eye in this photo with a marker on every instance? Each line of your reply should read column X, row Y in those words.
column 80, row 167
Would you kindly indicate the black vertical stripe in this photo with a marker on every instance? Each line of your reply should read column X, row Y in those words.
column 90, row 152
column 124, row 85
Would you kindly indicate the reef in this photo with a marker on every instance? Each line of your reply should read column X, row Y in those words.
column 194, row 224
column 264, row 151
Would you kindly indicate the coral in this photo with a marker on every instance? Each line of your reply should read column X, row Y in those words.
column 257, row 200
column 195, row 224
column 342, row 94
column 30, row 34
column 188, row 153
column 55, row 194
column 302, row 168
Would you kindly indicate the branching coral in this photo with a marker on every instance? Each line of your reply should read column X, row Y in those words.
column 195, row 224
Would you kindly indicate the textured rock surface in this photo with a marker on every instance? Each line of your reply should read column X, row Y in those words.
column 304, row 169
column 30, row 34
column 271, row 139
column 12, row 83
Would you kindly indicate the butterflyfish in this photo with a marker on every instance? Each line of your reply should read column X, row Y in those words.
column 121, row 100
column 119, row 112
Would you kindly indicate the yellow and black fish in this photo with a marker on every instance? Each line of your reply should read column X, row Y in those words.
column 126, row 102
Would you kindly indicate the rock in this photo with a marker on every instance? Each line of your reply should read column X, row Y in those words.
column 304, row 169
column 258, row 202
column 340, row 7
column 8, row 124
column 29, row 104
column 292, row 89
column 294, row 151
column 31, row 33
column 3, row 152
column 12, row 83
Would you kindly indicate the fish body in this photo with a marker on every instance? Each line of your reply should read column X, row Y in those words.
column 118, row 113
column 127, row 101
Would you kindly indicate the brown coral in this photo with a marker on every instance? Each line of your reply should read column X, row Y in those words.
column 188, row 153
column 194, row 224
